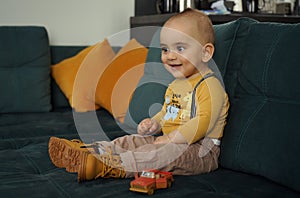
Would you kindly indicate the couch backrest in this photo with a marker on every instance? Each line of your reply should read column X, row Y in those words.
column 262, row 133
column 259, row 64
column 24, row 69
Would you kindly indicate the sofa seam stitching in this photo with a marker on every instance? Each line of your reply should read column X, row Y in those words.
column 231, row 46
column 31, row 162
column 60, row 190
column 241, row 137
column 267, row 62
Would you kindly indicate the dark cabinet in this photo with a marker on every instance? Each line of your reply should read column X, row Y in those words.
column 144, row 7
column 146, row 16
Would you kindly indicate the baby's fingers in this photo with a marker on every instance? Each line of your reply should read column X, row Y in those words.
column 142, row 129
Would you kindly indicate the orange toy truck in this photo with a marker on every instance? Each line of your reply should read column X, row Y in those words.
column 151, row 180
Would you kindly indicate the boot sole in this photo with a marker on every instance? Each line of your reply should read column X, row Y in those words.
column 65, row 156
column 81, row 176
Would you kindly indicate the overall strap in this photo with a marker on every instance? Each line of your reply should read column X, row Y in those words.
column 193, row 107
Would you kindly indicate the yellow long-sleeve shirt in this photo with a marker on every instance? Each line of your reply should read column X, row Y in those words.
column 211, row 108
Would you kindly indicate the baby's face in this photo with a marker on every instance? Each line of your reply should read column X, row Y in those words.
column 181, row 53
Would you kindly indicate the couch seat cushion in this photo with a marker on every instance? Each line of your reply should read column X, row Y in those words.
column 25, row 127
column 29, row 166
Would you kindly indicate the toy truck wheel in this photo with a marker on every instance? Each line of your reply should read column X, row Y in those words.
column 151, row 191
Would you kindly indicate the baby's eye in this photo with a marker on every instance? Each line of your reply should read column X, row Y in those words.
column 180, row 48
column 164, row 49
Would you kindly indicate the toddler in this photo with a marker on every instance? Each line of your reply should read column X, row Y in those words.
column 191, row 120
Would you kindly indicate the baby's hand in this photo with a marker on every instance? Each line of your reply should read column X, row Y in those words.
column 148, row 127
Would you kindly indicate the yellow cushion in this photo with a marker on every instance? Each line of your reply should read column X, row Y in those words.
column 85, row 67
column 120, row 78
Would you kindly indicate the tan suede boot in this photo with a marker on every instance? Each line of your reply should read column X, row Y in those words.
column 105, row 165
column 67, row 153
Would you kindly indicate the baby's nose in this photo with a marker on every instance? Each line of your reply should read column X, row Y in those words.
column 172, row 55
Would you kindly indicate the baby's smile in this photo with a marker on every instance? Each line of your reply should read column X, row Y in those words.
column 175, row 65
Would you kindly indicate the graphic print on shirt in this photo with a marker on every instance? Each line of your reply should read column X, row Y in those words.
column 186, row 112
column 178, row 106
column 173, row 107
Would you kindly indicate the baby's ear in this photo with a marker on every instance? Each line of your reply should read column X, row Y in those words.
column 207, row 52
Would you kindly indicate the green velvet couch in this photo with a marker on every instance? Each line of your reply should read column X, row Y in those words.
column 260, row 149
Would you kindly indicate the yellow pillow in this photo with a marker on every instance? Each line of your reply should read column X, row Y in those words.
column 81, row 72
column 120, row 78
